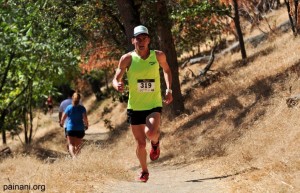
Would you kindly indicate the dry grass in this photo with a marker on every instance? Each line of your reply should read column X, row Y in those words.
column 239, row 128
column 64, row 174
column 47, row 163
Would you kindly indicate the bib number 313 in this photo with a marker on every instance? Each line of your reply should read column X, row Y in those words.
column 146, row 85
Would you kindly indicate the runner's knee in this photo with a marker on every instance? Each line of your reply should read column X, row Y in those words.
column 152, row 133
column 141, row 145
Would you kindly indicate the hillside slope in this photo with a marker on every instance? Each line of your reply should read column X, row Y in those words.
column 237, row 135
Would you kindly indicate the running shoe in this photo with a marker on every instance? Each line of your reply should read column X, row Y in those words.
column 155, row 151
column 144, row 176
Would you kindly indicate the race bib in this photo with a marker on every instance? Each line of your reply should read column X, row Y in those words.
column 146, row 85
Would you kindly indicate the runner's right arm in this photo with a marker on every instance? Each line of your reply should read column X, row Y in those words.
column 124, row 63
column 63, row 119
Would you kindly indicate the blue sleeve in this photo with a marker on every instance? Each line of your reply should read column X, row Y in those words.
column 68, row 109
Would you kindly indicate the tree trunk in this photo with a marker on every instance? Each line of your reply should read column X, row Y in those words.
column 3, row 137
column 168, row 47
column 3, row 115
column 24, row 112
column 30, row 113
column 239, row 30
column 290, row 16
column 209, row 63
column 130, row 17
column 296, row 17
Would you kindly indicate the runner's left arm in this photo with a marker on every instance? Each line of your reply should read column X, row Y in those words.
column 162, row 60
column 85, row 120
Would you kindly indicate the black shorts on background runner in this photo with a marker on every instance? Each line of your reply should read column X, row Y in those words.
column 79, row 134
column 139, row 117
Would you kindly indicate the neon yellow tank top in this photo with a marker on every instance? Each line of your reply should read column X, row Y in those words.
column 144, row 83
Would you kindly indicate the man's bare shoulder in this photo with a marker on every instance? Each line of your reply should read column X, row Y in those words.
column 125, row 60
column 160, row 55
column 159, row 52
column 126, row 56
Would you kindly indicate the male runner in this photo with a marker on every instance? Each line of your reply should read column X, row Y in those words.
column 145, row 101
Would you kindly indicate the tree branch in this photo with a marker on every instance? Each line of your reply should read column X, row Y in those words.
column 11, row 57
column 210, row 62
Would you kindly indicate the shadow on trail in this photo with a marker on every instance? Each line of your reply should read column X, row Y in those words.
column 117, row 132
column 224, row 176
column 161, row 159
column 47, row 155
column 39, row 147
column 107, row 138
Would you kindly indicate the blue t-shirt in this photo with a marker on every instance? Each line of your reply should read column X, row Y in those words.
column 75, row 117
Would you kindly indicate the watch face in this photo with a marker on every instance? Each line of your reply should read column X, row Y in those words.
column 168, row 91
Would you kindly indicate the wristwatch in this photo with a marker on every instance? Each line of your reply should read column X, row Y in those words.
column 168, row 91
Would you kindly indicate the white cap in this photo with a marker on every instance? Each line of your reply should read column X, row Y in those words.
column 140, row 30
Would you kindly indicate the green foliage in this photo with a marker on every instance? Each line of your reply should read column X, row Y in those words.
column 39, row 48
column 41, row 40
column 196, row 21
column 101, row 23
column 12, row 124
column 192, row 22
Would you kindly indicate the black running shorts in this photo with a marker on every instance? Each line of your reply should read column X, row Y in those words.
column 78, row 134
column 139, row 117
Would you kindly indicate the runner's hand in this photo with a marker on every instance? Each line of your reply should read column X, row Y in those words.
column 120, row 86
column 168, row 98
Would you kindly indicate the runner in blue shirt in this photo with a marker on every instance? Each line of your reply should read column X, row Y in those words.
column 76, row 125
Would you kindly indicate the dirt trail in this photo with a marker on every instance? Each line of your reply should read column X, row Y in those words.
column 162, row 179
column 96, row 132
